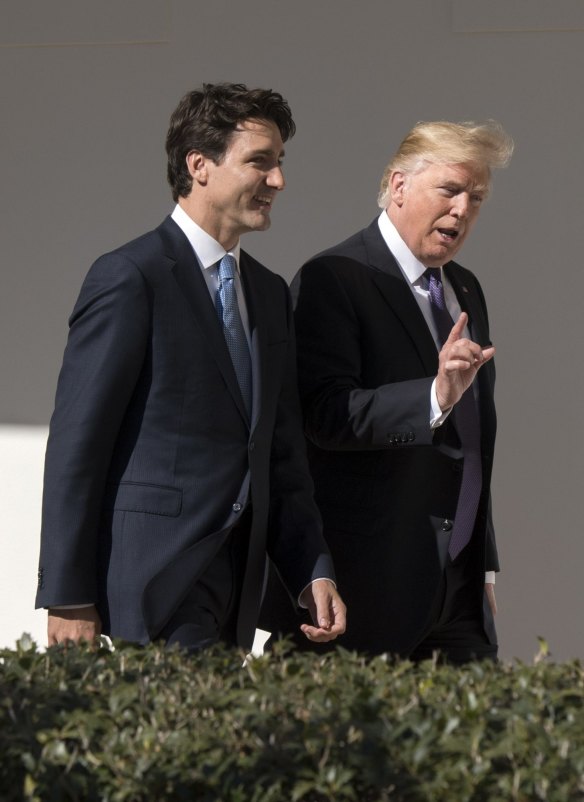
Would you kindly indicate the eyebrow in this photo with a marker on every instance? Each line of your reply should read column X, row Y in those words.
column 268, row 152
column 450, row 184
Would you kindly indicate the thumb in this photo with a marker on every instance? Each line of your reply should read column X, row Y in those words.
column 488, row 353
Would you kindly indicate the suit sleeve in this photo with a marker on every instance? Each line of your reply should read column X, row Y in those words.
column 340, row 411
column 296, row 544
column 104, row 355
column 491, row 557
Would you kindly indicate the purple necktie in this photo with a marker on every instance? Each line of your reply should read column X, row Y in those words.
column 467, row 423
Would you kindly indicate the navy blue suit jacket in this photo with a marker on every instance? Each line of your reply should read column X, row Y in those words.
column 151, row 458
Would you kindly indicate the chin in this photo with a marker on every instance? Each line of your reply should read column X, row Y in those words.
column 439, row 259
column 263, row 225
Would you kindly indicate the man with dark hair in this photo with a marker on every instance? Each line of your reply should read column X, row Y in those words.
column 205, row 119
column 396, row 380
column 175, row 458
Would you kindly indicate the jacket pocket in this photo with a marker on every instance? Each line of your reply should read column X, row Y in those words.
column 142, row 497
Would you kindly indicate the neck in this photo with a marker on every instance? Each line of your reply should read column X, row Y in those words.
column 202, row 216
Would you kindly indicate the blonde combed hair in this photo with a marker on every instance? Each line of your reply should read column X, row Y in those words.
column 486, row 145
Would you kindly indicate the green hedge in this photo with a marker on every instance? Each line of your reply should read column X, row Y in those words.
column 150, row 725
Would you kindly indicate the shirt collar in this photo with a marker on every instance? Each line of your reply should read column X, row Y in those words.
column 411, row 267
column 207, row 250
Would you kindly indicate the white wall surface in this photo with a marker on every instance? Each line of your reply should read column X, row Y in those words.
column 22, row 450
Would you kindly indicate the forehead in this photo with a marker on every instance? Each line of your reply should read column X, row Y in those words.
column 256, row 135
column 467, row 175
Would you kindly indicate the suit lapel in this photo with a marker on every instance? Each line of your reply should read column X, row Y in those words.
column 256, row 557
column 394, row 288
column 187, row 273
column 254, row 301
column 470, row 303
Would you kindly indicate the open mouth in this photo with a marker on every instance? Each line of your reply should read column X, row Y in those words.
column 265, row 201
column 449, row 234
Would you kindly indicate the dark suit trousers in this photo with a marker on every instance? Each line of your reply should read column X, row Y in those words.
column 456, row 629
column 455, row 621
column 208, row 614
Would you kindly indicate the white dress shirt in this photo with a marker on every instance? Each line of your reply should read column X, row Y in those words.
column 209, row 253
column 413, row 272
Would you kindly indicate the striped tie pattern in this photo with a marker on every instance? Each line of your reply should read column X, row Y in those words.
column 233, row 330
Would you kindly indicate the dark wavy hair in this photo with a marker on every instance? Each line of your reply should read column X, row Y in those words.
column 206, row 118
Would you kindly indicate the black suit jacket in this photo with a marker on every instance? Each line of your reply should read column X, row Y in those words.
column 385, row 481
column 151, row 458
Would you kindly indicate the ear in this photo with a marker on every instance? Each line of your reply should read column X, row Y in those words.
column 197, row 166
column 398, row 183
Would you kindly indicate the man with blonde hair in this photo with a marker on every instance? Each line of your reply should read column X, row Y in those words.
column 396, row 381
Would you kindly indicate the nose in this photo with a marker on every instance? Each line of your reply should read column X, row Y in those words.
column 461, row 206
column 275, row 178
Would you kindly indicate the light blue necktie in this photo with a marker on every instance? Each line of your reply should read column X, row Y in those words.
column 233, row 330
column 466, row 419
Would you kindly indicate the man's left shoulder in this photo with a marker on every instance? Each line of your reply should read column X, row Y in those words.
column 257, row 271
column 461, row 274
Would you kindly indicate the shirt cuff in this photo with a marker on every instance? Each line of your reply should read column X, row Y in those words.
column 328, row 579
column 437, row 416
column 489, row 577
column 69, row 606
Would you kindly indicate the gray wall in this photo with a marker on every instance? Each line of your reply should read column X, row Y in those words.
column 87, row 89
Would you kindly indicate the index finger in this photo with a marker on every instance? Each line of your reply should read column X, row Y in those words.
column 458, row 328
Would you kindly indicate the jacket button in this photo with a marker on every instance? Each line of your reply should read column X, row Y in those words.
column 251, row 446
column 411, row 437
column 237, row 507
column 457, row 467
column 446, row 525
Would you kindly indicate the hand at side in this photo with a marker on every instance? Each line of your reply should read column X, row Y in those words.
column 327, row 609
column 73, row 625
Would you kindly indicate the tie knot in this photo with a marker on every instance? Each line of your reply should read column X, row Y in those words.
column 435, row 288
column 227, row 267
column 433, row 274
